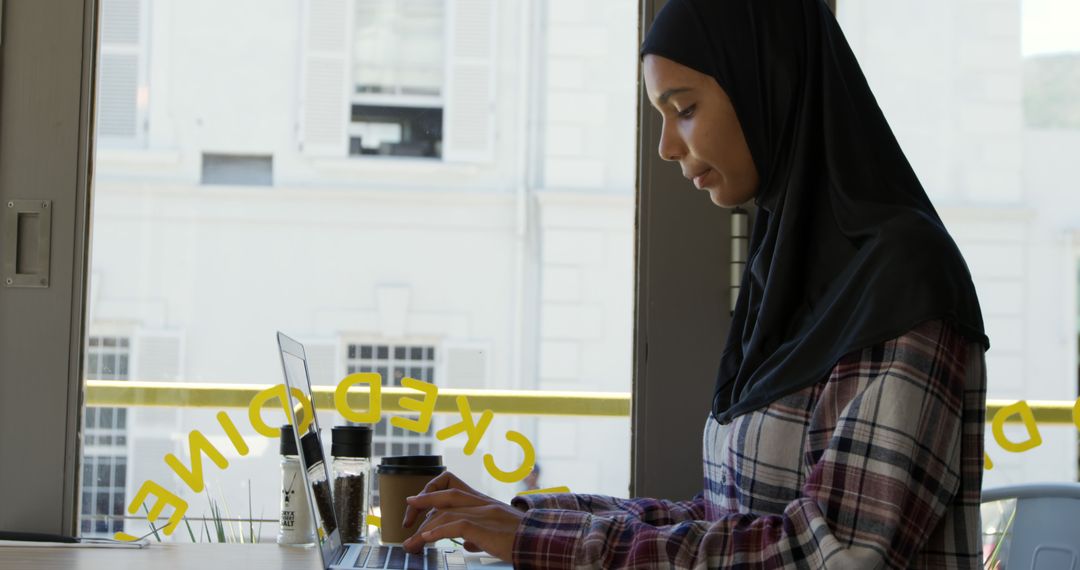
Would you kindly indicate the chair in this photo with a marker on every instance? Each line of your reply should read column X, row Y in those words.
column 1046, row 526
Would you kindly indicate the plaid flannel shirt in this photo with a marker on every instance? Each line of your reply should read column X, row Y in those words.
column 877, row 466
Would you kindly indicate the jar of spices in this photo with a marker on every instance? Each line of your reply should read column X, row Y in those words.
column 351, row 449
column 295, row 527
column 320, row 485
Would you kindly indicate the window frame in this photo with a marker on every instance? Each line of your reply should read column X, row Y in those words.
column 47, row 78
column 680, row 325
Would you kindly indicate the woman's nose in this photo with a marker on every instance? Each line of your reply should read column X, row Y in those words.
column 671, row 147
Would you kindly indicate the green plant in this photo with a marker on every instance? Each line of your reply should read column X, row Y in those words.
column 221, row 527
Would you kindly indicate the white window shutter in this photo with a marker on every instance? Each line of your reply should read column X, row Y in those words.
column 469, row 115
column 122, row 74
column 324, row 98
column 158, row 356
column 463, row 364
column 322, row 362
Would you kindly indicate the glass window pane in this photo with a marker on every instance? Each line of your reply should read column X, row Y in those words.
column 108, row 365
column 102, row 505
column 104, row 472
column 954, row 99
column 88, row 471
column 375, row 260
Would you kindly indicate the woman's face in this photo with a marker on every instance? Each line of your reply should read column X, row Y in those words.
column 701, row 131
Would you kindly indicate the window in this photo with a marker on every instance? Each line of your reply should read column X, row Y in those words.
column 490, row 291
column 394, row 362
column 401, row 78
column 105, row 438
column 398, row 56
column 983, row 101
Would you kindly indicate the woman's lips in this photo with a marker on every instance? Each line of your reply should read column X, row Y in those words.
column 699, row 180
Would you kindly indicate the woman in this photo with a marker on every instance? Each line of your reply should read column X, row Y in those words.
column 848, row 414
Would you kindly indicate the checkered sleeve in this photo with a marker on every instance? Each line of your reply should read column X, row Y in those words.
column 656, row 512
column 876, row 489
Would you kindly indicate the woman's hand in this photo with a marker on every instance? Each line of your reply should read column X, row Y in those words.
column 456, row 510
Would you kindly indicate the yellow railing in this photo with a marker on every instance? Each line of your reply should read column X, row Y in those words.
column 517, row 402
column 221, row 396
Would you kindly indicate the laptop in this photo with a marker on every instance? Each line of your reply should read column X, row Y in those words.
column 334, row 554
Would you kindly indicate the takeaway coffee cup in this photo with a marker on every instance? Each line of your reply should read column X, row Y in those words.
column 401, row 477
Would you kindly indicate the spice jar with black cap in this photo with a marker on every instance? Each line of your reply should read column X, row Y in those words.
column 295, row 522
column 320, row 486
column 351, row 451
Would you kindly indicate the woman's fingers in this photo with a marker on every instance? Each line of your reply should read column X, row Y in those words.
column 438, row 504
column 489, row 527
column 444, row 481
column 446, row 499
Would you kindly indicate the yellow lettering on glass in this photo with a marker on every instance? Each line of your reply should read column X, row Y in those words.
column 197, row 444
column 426, row 406
column 164, row 497
column 341, row 397
column 562, row 489
column 233, row 433
column 1022, row 409
column 474, row 431
column 278, row 391
column 987, row 464
column 526, row 465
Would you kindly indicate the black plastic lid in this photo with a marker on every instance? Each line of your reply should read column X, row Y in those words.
column 351, row 441
column 412, row 465
column 288, row 441
column 313, row 453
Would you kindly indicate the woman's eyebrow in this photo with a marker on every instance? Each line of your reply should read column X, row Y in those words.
column 663, row 98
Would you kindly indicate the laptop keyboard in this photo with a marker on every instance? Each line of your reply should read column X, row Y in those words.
column 395, row 557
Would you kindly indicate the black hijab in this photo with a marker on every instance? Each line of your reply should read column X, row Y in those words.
column 847, row 251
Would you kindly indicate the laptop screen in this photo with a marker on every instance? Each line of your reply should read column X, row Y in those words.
column 312, row 453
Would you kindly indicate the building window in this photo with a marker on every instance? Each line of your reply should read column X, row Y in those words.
column 105, row 442
column 394, row 362
column 396, row 106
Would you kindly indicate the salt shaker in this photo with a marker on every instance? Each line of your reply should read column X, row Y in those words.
column 295, row 527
